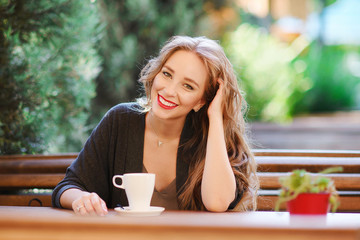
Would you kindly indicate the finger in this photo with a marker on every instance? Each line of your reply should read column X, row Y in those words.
column 220, row 91
column 82, row 210
column 103, row 205
column 89, row 207
column 98, row 204
column 78, row 207
column 221, row 84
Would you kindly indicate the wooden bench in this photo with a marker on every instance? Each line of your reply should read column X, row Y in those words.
column 28, row 180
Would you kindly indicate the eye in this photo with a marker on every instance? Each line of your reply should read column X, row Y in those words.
column 166, row 74
column 188, row 86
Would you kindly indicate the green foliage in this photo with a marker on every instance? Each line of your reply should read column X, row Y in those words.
column 301, row 181
column 48, row 64
column 335, row 79
column 135, row 30
column 269, row 73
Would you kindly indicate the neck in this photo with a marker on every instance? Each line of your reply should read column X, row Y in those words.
column 166, row 130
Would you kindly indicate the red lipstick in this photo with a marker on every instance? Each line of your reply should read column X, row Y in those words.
column 161, row 98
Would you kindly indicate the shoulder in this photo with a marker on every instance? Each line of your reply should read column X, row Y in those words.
column 120, row 116
column 130, row 108
column 123, row 114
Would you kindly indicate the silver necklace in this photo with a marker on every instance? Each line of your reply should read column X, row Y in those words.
column 159, row 142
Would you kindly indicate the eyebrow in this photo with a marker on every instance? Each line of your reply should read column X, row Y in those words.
column 186, row 78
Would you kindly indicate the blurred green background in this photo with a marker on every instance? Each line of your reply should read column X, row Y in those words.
column 64, row 63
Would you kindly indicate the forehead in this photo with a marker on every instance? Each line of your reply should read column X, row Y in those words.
column 187, row 64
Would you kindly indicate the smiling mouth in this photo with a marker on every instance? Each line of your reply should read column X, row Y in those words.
column 166, row 104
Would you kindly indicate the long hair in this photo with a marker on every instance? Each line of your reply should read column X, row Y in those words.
column 240, row 156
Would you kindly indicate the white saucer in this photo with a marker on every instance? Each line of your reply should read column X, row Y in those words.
column 153, row 211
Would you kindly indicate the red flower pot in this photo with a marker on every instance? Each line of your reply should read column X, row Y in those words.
column 309, row 203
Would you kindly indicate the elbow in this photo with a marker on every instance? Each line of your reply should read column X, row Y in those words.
column 217, row 205
column 216, row 208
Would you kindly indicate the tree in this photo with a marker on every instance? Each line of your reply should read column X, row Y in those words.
column 47, row 66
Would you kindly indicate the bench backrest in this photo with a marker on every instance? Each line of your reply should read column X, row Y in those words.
column 21, row 172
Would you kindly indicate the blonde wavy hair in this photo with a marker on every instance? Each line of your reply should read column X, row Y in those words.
column 240, row 156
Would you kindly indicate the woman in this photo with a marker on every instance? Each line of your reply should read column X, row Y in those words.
column 189, row 130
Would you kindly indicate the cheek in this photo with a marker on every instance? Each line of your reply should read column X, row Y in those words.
column 157, row 83
column 191, row 100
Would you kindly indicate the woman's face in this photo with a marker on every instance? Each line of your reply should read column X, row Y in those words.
column 179, row 86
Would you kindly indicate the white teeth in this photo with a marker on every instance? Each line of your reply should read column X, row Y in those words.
column 166, row 103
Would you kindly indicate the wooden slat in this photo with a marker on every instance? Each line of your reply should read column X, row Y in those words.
column 350, row 181
column 35, row 166
column 8, row 181
column 43, row 200
column 257, row 152
column 265, row 203
column 39, row 156
column 312, row 164
column 265, row 164
column 306, row 153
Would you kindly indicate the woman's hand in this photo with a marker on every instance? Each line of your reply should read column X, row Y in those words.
column 89, row 204
column 217, row 105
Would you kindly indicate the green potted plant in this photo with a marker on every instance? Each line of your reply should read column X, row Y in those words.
column 306, row 193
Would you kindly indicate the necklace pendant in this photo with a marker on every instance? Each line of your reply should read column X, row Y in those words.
column 160, row 143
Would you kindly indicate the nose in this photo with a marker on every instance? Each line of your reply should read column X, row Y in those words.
column 171, row 89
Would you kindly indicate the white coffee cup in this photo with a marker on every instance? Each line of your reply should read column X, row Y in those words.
column 139, row 188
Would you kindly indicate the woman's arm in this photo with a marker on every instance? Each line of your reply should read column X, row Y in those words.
column 218, row 185
column 89, row 172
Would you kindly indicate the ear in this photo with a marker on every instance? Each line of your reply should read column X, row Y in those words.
column 199, row 105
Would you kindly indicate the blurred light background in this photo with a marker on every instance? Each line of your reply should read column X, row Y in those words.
column 65, row 63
